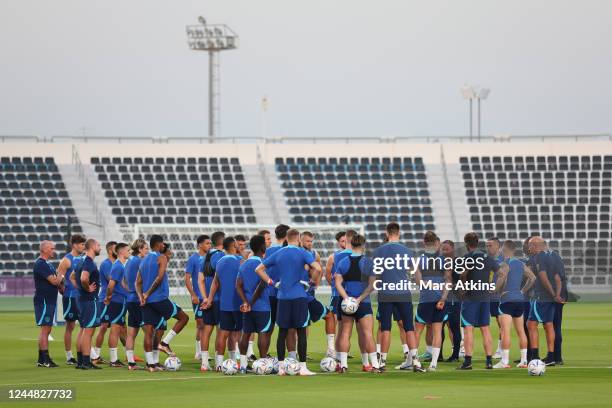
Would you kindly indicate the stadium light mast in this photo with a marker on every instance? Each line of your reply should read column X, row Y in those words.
column 470, row 93
column 213, row 38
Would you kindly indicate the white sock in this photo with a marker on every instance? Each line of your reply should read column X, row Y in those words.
column 505, row 356
column 331, row 341
column 250, row 349
column 169, row 336
column 364, row 359
column 232, row 355
column 383, row 356
column 113, row 354
column 156, row 356
column 429, row 349
column 343, row 359
column 292, row 354
column 243, row 362
column 97, row 350
column 378, row 348
column 435, row 353
column 93, row 354
column 405, row 348
column 218, row 360
column 414, row 354
column 523, row 355
column 204, row 357
column 149, row 357
column 198, row 347
column 69, row 355
column 498, row 345
column 130, row 356
column 374, row 360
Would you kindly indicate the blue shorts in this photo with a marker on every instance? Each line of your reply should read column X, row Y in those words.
column 273, row 311
column 494, row 308
column 197, row 312
column 476, row 314
column 543, row 312
column 364, row 309
column 210, row 316
column 334, row 305
column 89, row 313
column 134, row 314
column 396, row 314
column 526, row 310
column 230, row 320
column 115, row 313
column 429, row 313
column 514, row 309
column 44, row 312
column 292, row 313
column 71, row 308
column 157, row 313
column 103, row 310
column 386, row 312
column 316, row 310
column 256, row 322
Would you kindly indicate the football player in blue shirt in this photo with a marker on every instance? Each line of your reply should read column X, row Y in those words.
column 513, row 282
column 432, row 300
column 210, row 314
column 475, row 309
column 87, row 278
column 562, row 294
column 255, row 308
column 105, row 270
column 139, row 249
column 46, row 283
column 193, row 267
column 292, row 298
column 453, row 305
column 354, row 278
column 493, row 246
column 330, row 324
column 115, row 300
column 547, row 289
column 280, row 233
column 70, row 297
column 157, row 308
column 230, row 322
column 400, row 299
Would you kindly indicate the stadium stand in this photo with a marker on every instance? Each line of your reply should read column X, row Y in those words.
column 169, row 190
column 358, row 190
column 34, row 205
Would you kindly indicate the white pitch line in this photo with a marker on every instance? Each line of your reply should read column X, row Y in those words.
column 222, row 377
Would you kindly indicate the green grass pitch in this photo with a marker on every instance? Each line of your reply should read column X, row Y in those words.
column 585, row 380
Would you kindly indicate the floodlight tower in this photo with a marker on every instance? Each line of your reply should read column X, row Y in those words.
column 470, row 93
column 213, row 38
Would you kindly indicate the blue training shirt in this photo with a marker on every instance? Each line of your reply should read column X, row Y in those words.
column 105, row 270
column 194, row 265
column 90, row 266
column 227, row 271
column 69, row 289
column 43, row 289
column 338, row 257
column 148, row 270
column 482, row 269
column 117, row 274
column 500, row 260
column 354, row 286
column 250, row 280
column 514, row 281
column 394, row 274
column 290, row 261
column 131, row 271
column 431, row 265
column 542, row 261
column 272, row 271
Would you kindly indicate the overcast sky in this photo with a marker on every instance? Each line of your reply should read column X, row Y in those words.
column 328, row 67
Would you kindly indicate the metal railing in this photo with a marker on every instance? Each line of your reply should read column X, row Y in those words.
column 267, row 186
column 310, row 140
column 89, row 192
column 448, row 194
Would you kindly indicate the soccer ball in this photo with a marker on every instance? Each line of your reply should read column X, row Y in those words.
column 349, row 305
column 172, row 364
column 273, row 365
column 262, row 366
column 328, row 365
column 536, row 368
column 229, row 367
column 292, row 366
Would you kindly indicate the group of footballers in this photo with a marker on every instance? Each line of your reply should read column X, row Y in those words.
column 240, row 291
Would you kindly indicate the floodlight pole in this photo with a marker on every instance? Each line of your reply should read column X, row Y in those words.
column 471, row 119
column 211, row 97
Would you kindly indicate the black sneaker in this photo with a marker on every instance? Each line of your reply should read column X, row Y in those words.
column 559, row 362
column 52, row 364
column 252, row 358
column 452, row 359
column 41, row 364
column 99, row 360
column 72, row 361
column 489, row 365
column 79, row 366
column 349, row 356
column 465, row 366
column 117, row 364
column 549, row 362
column 94, row 367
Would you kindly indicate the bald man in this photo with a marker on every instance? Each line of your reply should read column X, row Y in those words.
column 47, row 283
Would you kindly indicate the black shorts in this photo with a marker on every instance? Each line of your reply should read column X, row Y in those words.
column 197, row 312
column 44, row 312
column 103, row 310
column 364, row 310
column 514, row 309
column 494, row 308
column 292, row 313
column 429, row 313
column 71, row 308
column 157, row 313
column 256, row 322
column 115, row 313
column 316, row 310
column 210, row 316
column 89, row 313
column 386, row 311
column 134, row 314
column 273, row 311
column 230, row 320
